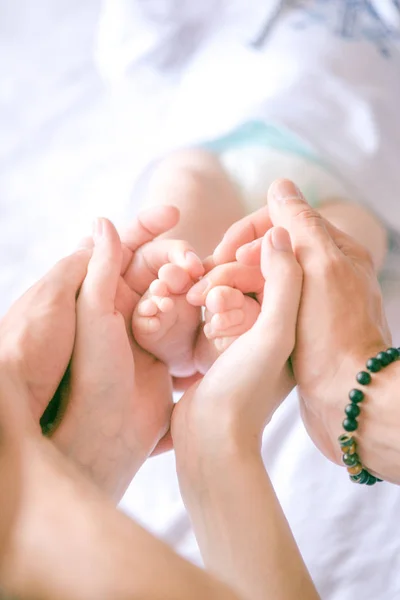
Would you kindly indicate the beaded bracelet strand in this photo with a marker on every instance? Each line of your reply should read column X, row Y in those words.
column 348, row 444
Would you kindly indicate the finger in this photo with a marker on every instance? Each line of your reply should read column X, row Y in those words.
column 148, row 260
column 209, row 263
column 244, row 278
column 282, row 291
column 148, row 225
column 307, row 229
column 246, row 230
column 100, row 286
column 250, row 254
column 88, row 243
column 66, row 276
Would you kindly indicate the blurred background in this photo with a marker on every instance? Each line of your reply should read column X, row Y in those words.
column 92, row 93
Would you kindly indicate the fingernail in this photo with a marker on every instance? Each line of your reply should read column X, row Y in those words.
column 284, row 191
column 97, row 228
column 201, row 287
column 192, row 257
column 280, row 239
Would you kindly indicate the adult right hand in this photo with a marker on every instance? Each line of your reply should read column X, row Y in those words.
column 341, row 321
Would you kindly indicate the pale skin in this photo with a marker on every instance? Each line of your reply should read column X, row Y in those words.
column 339, row 273
column 87, row 549
column 199, row 462
column 217, row 428
column 167, row 321
column 60, row 537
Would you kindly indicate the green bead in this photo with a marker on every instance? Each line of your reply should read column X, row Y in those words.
column 345, row 440
column 350, row 459
column 373, row 365
column 371, row 480
column 347, row 443
column 384, row 359
column 393, row 352
column 363, row 377
column 356, row 395
column 356, row 478
column 364, row 477
column 350, row 424
column 352, row 411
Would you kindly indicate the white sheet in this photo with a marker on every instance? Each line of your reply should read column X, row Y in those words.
column 81, row 115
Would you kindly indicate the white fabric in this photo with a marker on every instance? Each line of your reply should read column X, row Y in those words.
column 253, row 169
column 88, row 98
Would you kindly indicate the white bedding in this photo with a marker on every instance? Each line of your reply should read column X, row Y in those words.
column 89, row 94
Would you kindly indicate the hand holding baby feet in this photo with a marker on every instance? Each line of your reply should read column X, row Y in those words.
column 164, row 323
column 118, row 399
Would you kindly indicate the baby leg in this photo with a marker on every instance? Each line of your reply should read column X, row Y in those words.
column 361, row 224
column 208, row 201
column 195, row 182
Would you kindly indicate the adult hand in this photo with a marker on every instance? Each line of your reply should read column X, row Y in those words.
column 233, row 402
column 341, row 320
column 111, row 424
column 61, row 538
column 217, row 428
column 38, row 333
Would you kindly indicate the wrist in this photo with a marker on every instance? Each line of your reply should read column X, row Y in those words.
column 377, row 435
column 207, row 464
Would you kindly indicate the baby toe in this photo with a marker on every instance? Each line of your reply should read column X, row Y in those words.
column 151, row 325
column 158, row 288
column 147, row 308
column 177, row 280
column 221, row 322
column 224, row 298
column 194, row 265
column 165, row 305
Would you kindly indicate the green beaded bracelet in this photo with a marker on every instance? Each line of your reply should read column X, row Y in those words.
column 348, row 444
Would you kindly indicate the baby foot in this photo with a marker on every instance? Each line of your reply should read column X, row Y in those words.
column 165, row 324
column 229, row 314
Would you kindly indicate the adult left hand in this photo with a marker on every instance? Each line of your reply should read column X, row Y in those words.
column 37, row 335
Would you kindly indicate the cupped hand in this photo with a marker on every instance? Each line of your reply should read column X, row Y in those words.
column 109, row 427
column 341, row 319
column 38, row 335
column 239, row 394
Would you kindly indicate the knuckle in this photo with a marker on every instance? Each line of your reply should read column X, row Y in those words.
column 308, row 217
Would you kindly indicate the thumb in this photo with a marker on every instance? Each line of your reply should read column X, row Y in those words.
column 289, row 209
column 100, row 286
column 282, row 291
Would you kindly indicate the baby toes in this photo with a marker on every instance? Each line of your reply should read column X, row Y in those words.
column 175, row 278
column 229, row 314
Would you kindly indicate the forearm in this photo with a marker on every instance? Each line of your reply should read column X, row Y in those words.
column 241, row 529
column 68, row 542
